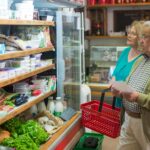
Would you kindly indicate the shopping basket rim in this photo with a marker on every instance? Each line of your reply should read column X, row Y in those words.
column 97, row 102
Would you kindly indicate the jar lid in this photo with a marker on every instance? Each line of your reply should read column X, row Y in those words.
column 58, row 98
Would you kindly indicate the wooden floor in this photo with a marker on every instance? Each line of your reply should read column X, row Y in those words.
column 109, row 143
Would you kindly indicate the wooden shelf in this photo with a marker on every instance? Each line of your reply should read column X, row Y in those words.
column 47, row 145
column 26, row 75
column 25, row 106
column 26, row 22
column 69, row 3
column 98, row 86
column 96, row 89
column 118, row 5
column 25, row 53
column 104, row 37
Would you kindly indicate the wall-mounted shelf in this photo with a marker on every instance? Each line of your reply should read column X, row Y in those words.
column 26, row 22
column 104, row 37
column 96, row 88
column 26, row 75
column 25, row 106
column 25, row 53
column 9, row 55
column 68, row 3
column 118, row 5
column 56, row 4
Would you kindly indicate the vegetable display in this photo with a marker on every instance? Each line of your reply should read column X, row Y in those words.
column 12, row 125
column 24, row 135
column 35, row 131
column 22, row 142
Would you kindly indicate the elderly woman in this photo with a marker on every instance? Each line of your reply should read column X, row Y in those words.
column 129, row 55
column 135, row 131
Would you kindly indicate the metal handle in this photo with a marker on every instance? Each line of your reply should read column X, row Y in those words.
column 102, row 99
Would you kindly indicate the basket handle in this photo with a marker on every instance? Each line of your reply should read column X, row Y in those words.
column 102, row 99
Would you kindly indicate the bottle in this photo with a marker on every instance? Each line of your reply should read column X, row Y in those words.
column 51, row 105
column 33, row 110
column 87, row 28
column 85, row 93
column 98, row 32
column 58, row 107
column 41, row 107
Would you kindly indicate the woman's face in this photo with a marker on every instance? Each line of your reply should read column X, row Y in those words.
column 145, row 42
column 132, row 37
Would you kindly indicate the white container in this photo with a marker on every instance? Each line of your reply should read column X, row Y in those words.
column 4, row 75
column 58, row 107
column 24, row 7
column 2, row 64
column 11, row 73
column 51, row 105
column 29, row 2
column 38, row 56
column 4, row 14
column 33, row 110
column 85, row 93
column 41, row 107
column 4, row 4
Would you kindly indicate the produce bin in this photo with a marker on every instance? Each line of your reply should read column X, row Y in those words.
column 80, row 144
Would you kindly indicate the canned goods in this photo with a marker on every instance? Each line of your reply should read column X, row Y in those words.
column 91, row 2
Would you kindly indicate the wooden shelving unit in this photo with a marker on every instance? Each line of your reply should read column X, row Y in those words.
column 25, row 106
column 17, row 110
column 26, row 75
column 118, row 5
column 20, row 77
column 25, row 53
column 26, row 22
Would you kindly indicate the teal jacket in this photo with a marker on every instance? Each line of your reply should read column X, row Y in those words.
column 144, row 101
column 122, row 69
column 123, row 66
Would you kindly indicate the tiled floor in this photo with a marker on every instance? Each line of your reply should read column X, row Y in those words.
column 109, row 143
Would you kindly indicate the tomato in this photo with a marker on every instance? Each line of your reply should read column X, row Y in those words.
column 36, row 92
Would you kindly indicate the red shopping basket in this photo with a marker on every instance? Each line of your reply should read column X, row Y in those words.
column 101, row 117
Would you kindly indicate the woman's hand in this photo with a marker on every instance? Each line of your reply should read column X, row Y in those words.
column 121, row 89
column 132, row 96
column 115, row 88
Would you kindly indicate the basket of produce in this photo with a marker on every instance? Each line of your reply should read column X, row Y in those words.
column 23, row 134
column 49, row 122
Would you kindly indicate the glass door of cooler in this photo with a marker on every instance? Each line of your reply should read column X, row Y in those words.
column 70, row 57
column 102, row 63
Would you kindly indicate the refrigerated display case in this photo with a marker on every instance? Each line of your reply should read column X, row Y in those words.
column 70, row 56
column 102, row 63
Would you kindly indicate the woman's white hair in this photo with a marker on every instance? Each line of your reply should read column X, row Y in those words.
column 147, row 23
